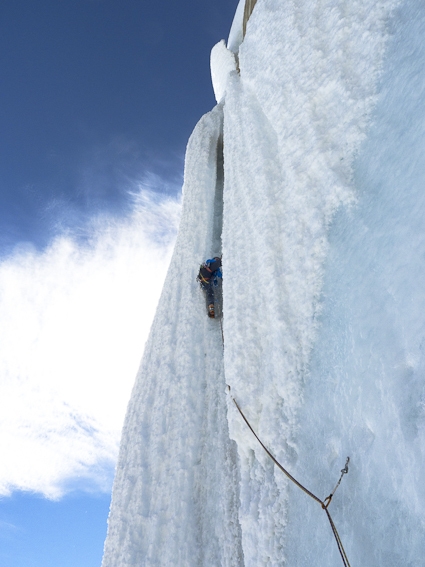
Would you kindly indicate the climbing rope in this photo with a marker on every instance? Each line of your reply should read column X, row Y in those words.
column 324, row 503
column 222, row 335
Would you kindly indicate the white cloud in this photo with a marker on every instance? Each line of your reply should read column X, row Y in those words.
column 74, row 320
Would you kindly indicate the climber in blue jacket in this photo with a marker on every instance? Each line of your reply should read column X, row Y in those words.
column 208, row 275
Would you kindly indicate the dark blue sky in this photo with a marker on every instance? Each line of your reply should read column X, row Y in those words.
column 93, row 94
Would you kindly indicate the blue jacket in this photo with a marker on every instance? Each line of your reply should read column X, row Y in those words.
column 216, row 273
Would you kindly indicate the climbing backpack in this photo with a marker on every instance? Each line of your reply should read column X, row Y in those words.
column 207, row 270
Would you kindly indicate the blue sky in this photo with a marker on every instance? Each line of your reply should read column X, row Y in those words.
column 97, row 101
column 36, row 531
column 94, row 91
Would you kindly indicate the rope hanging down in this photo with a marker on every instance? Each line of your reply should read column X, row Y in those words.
column 324, row 503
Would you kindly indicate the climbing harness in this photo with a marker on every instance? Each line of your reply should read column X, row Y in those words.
column 202, row 275
column 324, row 503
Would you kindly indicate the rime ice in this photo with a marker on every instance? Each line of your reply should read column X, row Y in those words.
column 308, row 176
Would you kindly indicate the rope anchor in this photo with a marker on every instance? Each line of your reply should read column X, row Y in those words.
column 344, row 471
column 325, row 503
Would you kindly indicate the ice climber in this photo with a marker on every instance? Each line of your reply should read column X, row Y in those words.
column 208, row 275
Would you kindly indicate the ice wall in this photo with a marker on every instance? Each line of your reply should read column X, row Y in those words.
column 317, row 205
column 365, row 394
column 293, row 120
column 176, row 482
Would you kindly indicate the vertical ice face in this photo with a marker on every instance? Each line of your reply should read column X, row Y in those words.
column 271, row 182
column 293, row 120
column 366, row 390
column 236, row 31
column 175, row 495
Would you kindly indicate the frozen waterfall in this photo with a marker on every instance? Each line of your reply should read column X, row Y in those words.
column 308, row 177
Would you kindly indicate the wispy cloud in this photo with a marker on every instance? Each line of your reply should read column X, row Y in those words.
column 74, row 320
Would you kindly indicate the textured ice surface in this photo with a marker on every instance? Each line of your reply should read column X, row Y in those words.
column 365, row 395
column 236, row 30
column 176, row 484
column 293, row 120
column 318, row 209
